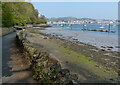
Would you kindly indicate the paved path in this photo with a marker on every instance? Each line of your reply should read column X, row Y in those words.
column 15, row 68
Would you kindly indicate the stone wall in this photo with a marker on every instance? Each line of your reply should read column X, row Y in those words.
column 5, row 30
column 45, row 69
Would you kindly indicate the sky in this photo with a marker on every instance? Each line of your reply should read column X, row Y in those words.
column 95, row 10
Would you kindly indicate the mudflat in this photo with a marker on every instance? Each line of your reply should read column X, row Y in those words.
column 90, row 63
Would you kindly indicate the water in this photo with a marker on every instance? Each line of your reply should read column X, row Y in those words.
column 94, row 38
column 79, row 27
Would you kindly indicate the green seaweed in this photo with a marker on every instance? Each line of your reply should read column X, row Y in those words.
column 85, row 62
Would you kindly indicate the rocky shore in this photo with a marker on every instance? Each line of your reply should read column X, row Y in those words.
column 57, row 60
column 106, row 42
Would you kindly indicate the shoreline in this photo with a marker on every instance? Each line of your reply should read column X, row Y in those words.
column 103, row 42
column 83, row 46
column 79, row 57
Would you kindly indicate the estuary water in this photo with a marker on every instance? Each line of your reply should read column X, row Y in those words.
column 95, row 38
column 79, row 27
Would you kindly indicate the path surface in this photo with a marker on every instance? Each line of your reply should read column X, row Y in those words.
column 15, row 68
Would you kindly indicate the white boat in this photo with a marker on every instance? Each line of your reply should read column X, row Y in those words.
column 102, row 27
column 61, row 25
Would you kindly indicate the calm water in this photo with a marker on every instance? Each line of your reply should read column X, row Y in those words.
column 78, row 27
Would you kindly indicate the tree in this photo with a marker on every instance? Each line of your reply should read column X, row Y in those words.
column 42, row 17
column 41, row 21
column 18, row 13
column 0, row 14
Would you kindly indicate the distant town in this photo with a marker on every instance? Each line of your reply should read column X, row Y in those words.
column 72, row 20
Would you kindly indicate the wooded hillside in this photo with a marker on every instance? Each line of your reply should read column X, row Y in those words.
column 19, row 13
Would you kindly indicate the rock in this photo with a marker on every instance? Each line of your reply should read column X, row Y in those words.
column 74, row 77
column 112, row 79
column 109, row 47
column 66, row 62
column 50, row 38
column 64, row 72
column 96, row 65
column 45, row 37
column 103, row 47
column 51, row 62
column 102, row 50
column 55, row 67
column 72, row 82
column 75, row 39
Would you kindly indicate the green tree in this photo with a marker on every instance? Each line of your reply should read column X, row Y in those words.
column 18, row 13
column 0, row 14
column 41, row 21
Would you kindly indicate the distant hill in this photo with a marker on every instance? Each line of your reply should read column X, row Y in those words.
column 62, row 19
column 67, row 19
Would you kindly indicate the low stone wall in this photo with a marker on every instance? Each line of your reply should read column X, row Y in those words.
column 5, row 30
column 45, row 69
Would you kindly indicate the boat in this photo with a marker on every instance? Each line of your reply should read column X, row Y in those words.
column 102, row 27
column 61, row 25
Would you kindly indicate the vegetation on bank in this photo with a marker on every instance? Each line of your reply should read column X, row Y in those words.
column 20, row 13
column 0, row 14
